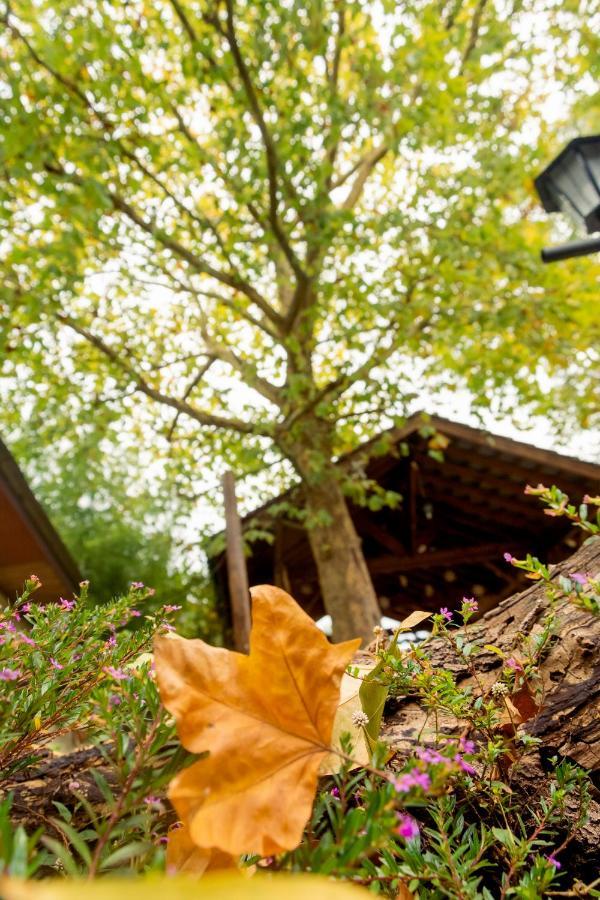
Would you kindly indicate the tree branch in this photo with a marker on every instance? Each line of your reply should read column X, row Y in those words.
column 191, row 386
column 474, row 34
column 121, row 204
column 339, row 385
column 185, row 22
column 364, row 170
column 203, row 418
column 270, row 150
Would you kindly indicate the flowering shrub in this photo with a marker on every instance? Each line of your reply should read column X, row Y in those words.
column 76, row 675
column 444, row 819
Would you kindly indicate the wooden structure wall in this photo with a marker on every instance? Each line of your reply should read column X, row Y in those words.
column 447, row 539
column 29, row 545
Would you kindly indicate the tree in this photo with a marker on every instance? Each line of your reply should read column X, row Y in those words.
column 278, row 221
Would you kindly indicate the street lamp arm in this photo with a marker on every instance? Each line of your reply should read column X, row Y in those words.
column 568, row 251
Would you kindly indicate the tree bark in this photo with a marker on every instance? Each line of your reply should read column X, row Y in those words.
column 346, row 587
column 567, row 722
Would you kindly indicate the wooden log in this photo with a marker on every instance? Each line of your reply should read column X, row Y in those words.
column 237, row 572
column 568, row 720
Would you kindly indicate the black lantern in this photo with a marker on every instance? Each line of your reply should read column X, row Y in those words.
column 571, row 184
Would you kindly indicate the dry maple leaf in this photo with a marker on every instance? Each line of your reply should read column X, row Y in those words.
column 185, row 856
column 266, row 720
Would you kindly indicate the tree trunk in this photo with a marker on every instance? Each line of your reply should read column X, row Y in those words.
column 567, row 722
column 346, row 586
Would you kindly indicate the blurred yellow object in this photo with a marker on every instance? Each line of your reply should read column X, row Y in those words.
column 228, row 886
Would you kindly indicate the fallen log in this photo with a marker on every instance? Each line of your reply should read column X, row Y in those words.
column 567, row 721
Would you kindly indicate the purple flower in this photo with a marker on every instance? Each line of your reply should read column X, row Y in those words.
column 117, row 674
column 55, row 664
column 578, row 578
column 9, row 674
column 9, row 626
column 26, row 607
column 553, row 861
column 111, row 642
column 467, row 746
column 465, row 766
column 151, row 800
column 509, row 558
column 114, row 700
column 335, row 792
column 137, row 585
column 407, row 828
column 446, row 613
column 67, row 604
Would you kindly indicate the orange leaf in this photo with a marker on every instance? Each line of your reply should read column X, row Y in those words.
column 185, row 856
column 266, row 720
column 524, row 700
column 404, row 893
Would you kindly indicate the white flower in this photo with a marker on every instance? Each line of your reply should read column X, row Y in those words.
column 499, row 689
column 359, row 718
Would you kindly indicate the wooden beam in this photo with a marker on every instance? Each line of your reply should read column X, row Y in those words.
column 236, row 568
column 434, row 558
column 366, row 525
column 413, row 484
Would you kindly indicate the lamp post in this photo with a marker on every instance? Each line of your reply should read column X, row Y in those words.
column 571, row 184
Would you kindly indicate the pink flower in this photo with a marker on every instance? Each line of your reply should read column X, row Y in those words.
column 9, row 626
column 114, row 700
column 26, row 639
column 509, row 558
column 553, row 861
column 446, row 613
column 9, row 674
column 26, row 608
column 514, row 664
column 432, row 756
column 137, row 585
column 151, row 800
column 408, row 828
column 111, row 642
column 35, row 581
column 467, row 746
column 135, row 613
column 117, row 674
column 414, row 778
column 170, row 608
column 470, row 604
column 465, row 766
column 55, row 664
column 67, row 604
column 578, row 578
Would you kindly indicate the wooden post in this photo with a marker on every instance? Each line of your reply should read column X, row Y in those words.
column 237, row 574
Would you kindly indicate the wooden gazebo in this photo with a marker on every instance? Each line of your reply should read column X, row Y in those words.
column 448, row 537
column 29, row 544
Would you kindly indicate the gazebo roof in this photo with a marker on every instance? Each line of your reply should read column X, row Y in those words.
column 448, row 537
column 29, row 544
